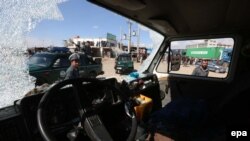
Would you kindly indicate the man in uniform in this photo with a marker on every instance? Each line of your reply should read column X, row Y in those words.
column 201, row 70
column 73, row 71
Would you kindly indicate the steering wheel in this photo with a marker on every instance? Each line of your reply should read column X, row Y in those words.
column 92, row 123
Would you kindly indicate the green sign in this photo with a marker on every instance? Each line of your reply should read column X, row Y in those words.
column 111, row 37
column 211, row 53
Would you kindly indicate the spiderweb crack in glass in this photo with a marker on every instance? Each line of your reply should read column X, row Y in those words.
column 18, row 17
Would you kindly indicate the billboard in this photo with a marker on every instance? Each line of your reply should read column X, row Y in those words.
column 111, row 37
column 209, row 53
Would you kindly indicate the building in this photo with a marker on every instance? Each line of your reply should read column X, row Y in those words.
column 105, row 47
column 209, row 43
column 100, row 46
column 133, row 51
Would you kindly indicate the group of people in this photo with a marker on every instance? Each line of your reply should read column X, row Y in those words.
column 187, row 60
column 84, row 48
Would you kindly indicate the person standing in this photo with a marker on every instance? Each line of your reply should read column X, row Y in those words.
column 202, row 70
column 73, row 71
column 88, row 49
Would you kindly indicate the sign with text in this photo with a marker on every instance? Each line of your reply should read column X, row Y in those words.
column 111, row 37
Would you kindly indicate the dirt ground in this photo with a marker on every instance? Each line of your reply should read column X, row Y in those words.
column 189, row 69
column 109, row 71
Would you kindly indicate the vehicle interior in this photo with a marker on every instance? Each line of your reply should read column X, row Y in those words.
column 176, row 19
column 77, row 110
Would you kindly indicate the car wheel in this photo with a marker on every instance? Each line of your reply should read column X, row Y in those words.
column 217, row 71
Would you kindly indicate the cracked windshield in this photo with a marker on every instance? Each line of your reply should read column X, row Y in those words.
column 43, row 42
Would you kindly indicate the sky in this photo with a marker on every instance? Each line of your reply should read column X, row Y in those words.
column 84, row 19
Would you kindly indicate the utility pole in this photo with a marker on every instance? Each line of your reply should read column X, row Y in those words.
column 121, row 33
column 100, row 46
column 138, row 41
column 129, row 35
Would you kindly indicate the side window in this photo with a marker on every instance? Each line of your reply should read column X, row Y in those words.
column 83, row 61
column 61, row 62
column 211, row 55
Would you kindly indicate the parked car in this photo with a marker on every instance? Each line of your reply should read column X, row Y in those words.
column 49, row 67
column 212, row 66
column 124, row 63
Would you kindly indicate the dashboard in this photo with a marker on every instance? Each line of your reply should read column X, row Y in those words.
column 62, row 114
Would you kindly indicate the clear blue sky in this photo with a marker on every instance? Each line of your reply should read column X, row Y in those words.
column 86, row 20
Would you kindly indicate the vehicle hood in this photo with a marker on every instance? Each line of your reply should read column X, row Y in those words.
column 124, row 62
column 33, row 68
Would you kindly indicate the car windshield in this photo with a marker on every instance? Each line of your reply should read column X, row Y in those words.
column 30, row 29
column 41, row 60
column 124, row 58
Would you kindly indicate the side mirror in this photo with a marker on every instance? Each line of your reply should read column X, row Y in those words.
column 175, row 61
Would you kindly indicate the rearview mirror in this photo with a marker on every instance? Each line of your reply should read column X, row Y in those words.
column 175, row 59
column 201, row 57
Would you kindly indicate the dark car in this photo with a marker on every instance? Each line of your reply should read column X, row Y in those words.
column 124, row 63
column 213, row 66
column 49, row 67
